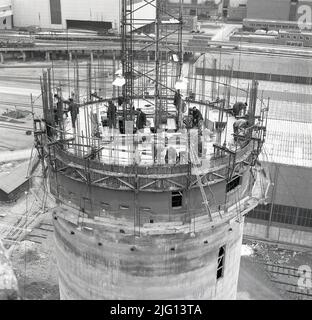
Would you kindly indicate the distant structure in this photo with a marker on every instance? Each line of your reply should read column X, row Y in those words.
column 203, row 9
column 235, row 10
column 152, row 181
column 6, row 14
column 12, row 185
column 99, row 15
column 286, row 217
column 272, row 9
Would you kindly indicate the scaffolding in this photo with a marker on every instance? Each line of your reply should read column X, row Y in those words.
column 171, row 152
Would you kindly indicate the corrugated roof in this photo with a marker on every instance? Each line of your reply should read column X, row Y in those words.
column 290, row 66
column 289, row 143
column 10, row 181
column 290, row 111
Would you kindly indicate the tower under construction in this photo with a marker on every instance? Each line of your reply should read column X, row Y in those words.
column 152, row 175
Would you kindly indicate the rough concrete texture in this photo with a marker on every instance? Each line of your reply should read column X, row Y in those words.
column 278, row 233
column 177, row 265
column 8, row 281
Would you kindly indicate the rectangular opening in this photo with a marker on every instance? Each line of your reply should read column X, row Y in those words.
column 89, row 25
column 235, row 182
column 122, row 207
column 176, row 199
column 221, row 259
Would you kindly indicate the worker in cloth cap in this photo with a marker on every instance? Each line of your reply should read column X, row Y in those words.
column 74, row 111
column 197, row 117
column 111, row 114
column 141, row 119
column 238, row 107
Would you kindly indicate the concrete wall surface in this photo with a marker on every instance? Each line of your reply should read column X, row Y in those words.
column 292, row 185
column 37, row 12
column 278, row 233
column 98, row 262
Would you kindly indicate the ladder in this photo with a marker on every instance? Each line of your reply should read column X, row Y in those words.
column 195, row 159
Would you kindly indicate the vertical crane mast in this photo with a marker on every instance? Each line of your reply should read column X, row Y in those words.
column 165, row 45
column 127, row 57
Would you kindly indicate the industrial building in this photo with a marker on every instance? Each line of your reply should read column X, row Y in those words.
column 272, row 9
column 201, row 8
column 12, row 185
column 63, row 14
column 287, row 217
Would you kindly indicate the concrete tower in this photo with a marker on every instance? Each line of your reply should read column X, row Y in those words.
column 150, row 209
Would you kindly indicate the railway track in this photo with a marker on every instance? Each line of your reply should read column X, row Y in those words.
column 286, row 278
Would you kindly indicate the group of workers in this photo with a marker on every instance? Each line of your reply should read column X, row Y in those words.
column 112, row 116
column 60, row 111
column 194, row 119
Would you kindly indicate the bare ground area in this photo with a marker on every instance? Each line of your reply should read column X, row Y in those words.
column 272, row 272
column 35, row 264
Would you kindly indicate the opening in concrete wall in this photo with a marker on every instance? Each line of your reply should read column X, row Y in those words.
column 221, row 258
column 176, row 199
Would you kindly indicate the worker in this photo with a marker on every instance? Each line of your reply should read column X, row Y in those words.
column 59, row 108
column 49, row 128
column 55, row 116
column 238, row 126
column 111, row 114
column 141, row 119
column 177, row 99
column 238, row 107
column 197, row 118
column 188, row 120
column 74, row 111
column 120, row 100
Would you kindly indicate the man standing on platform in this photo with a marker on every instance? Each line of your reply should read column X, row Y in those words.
column 141, row 119
column 111, row 115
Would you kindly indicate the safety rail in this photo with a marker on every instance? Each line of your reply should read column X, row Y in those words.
column 149, row 149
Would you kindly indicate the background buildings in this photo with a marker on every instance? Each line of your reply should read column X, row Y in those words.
column 62, row 14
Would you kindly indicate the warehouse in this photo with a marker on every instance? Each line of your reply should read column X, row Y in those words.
column 287, row 217
column 62, row 14
column 13, row 184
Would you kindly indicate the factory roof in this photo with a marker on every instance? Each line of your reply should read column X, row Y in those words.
column 268, row 64
column 11, row 181
column 288, row 143
column 290, row 111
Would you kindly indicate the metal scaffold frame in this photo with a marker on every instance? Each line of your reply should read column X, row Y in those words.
column 168, row 56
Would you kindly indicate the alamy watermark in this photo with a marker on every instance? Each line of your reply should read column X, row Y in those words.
column 304, row 14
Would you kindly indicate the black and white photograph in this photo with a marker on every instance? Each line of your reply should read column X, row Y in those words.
column 156, row 150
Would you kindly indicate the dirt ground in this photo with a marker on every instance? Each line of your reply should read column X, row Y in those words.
column 35, row 264
column 271, row 272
